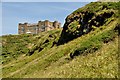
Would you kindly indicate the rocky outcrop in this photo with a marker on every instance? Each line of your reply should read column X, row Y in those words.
column 82, row 21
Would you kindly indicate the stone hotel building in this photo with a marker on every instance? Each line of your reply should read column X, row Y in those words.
column 36, row 28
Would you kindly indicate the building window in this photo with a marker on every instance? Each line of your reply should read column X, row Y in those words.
column 43, row 27
column 34, row 28
column 22, row 29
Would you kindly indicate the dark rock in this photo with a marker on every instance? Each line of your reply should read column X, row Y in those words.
column 40, row 49
column 46, row 41
column 86, row 20
column 50, row 36
column 117, row 28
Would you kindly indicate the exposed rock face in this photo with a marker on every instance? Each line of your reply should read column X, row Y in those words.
column 83, row 21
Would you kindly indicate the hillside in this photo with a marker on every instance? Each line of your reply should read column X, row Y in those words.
column 87, row 47
column 109, row 0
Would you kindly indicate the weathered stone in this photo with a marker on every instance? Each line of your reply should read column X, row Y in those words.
column 81, row 23
column 36, row 28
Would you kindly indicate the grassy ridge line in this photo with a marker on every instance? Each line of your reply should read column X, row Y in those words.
column 26, row 42
column 38, row 37
column 14, row 45
column 27, row 59
column 53, row 60
column 97, row 6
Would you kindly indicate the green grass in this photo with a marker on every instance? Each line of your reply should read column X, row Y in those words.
column 99, row 6
column 88, row 18
column 95, row 55
column 14, row 45
column 58, row 56
column 95, row 65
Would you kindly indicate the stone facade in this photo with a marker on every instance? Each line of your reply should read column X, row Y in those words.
column 36, row 28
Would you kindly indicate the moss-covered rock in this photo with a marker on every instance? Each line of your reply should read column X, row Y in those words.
column 88, row 18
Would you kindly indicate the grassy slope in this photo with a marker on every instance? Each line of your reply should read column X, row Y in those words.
column 97, row 64
column 54, row 62
column 99, row 51
column 19, row 45
column 14, row 46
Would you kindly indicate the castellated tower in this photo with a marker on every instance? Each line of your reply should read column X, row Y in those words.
column 46, row 23
column 22, row 28
column 36, row 28
column 56, row 24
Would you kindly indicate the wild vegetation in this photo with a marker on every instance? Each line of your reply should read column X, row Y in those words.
column 87, row 18
column 86, row 47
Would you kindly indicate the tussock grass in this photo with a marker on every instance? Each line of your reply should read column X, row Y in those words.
column 93, row 55
column 56, row 62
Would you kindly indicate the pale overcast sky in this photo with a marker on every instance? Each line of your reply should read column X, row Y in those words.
column 20, row 11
